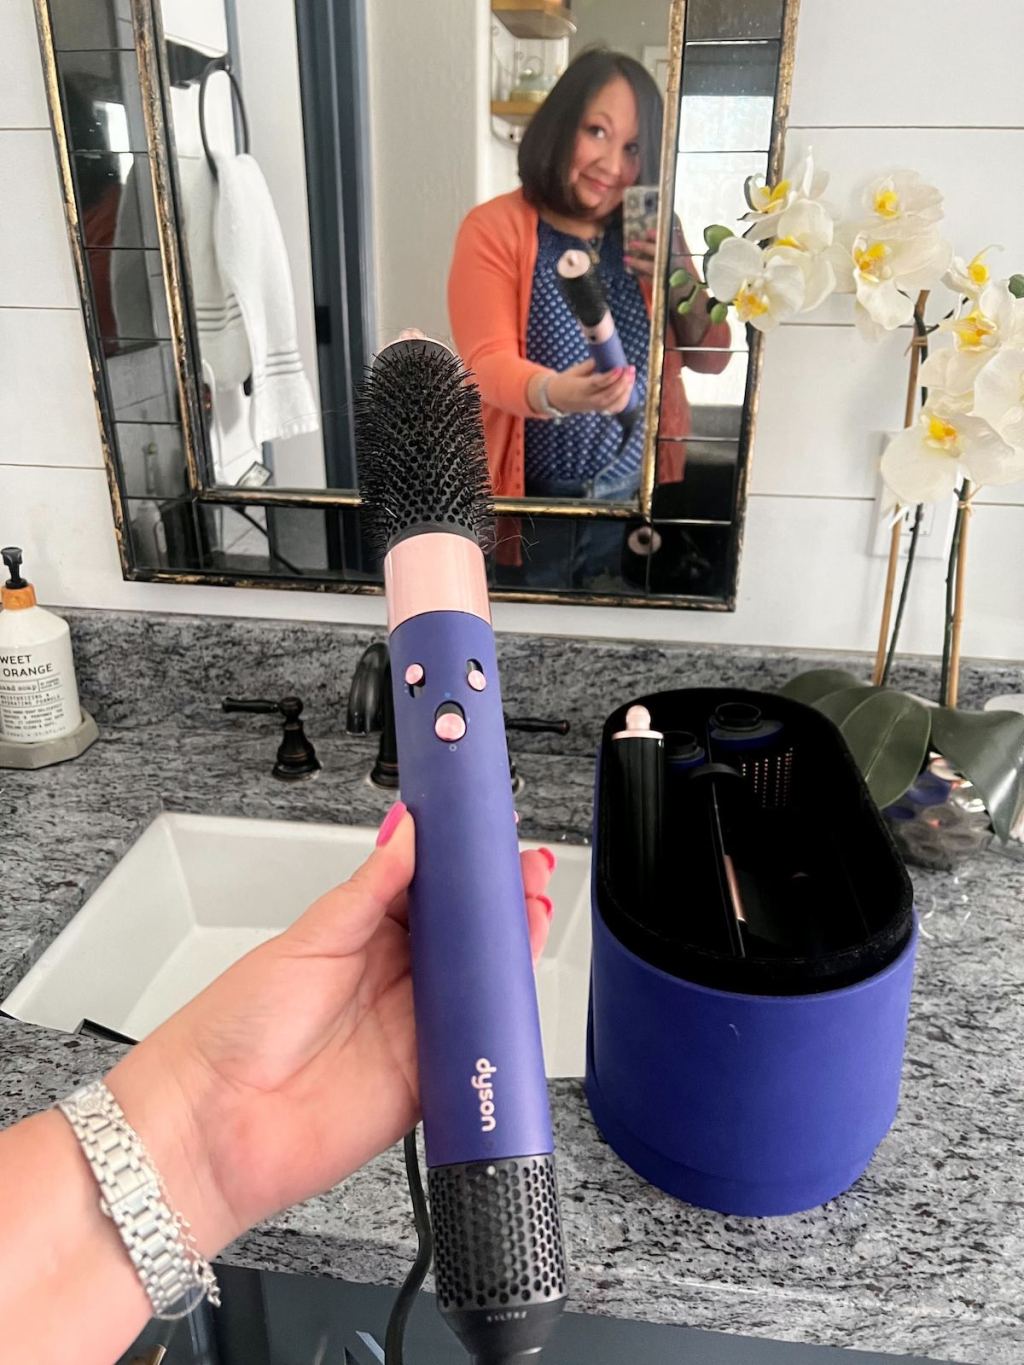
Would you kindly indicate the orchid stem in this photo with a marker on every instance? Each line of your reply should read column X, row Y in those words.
column 915, row 532
column 956, row 577
column 947, row 688
column 886, row 649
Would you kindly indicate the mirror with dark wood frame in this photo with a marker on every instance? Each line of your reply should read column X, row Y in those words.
column 376, row 190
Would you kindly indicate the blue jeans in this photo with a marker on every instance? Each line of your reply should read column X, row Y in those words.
column 575, row 552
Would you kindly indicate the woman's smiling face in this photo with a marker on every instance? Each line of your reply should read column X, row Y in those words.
column 606, row 160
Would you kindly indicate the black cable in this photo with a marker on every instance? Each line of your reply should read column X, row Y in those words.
column 394, row 1338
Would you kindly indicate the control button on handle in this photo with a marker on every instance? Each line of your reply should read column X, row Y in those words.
column 449, row 722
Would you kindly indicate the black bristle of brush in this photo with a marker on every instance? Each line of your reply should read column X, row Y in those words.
column 420, row 447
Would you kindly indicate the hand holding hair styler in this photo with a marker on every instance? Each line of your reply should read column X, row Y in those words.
column 500, row 1268
column 584, row 293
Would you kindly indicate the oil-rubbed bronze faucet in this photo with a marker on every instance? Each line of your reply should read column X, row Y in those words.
column 371, row 710
column 296, row 757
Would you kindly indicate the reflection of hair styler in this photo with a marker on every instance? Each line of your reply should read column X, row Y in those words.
column 584, row 294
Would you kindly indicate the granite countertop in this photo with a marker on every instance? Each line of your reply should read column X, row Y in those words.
column 921, row 1256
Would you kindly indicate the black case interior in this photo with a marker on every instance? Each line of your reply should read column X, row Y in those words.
column 823, row 865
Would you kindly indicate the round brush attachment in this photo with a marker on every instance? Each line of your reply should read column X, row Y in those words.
column 420, row 444
column 582, row 287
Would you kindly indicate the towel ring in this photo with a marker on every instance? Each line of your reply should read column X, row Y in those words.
column 221, row 64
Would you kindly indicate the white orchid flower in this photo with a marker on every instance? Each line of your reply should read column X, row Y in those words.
column 940, row 375
column 768, row 202
column 994, row 320
column 804, row 234
column 886, row 274
column 999, row 396
column 765, row 288
column 923, row 463
column 969, row 278
column 900, row 203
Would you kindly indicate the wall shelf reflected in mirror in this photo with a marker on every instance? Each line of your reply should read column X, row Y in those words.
column 211, row 482
column 535, row 18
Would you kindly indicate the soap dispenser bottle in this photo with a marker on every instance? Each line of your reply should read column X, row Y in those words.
column 38, row 690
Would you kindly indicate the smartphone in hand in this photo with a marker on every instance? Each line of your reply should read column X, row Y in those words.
column 639, row 212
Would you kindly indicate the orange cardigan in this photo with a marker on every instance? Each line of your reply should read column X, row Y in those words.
column 489, row 289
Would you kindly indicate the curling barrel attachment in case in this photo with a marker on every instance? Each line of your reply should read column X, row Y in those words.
column 750, row 984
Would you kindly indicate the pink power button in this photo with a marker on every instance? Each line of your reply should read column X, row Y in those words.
column 449, row 723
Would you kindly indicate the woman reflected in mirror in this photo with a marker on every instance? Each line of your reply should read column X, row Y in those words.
column 549, row 415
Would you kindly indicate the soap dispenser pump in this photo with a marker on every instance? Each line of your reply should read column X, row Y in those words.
column 38, row 691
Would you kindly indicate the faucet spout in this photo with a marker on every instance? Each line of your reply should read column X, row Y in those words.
column 371, row 710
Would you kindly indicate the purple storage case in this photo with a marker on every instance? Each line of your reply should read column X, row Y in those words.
column 755, row 1104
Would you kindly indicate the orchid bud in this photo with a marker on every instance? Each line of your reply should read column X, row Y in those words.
column 716, row 234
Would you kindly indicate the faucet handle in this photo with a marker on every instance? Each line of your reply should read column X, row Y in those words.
column 530, row 725
column 244, row 704
column 296, row 757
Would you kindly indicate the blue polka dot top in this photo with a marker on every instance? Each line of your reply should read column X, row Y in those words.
column 585, row 444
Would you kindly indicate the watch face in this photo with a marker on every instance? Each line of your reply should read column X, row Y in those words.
column 89, row 1105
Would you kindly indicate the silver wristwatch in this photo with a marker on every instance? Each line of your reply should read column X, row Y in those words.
column 158, row 1240
column 546, row 405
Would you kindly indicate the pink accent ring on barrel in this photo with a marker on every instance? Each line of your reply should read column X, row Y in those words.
column 435, row 571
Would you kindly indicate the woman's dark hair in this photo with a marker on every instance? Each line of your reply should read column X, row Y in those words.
column 546, row 151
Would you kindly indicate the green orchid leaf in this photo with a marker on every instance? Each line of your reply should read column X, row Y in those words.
column 887, row 732
column 988, row 748
column 716, row 234
column 818, row 682
column 888, row 736
column 841, row 703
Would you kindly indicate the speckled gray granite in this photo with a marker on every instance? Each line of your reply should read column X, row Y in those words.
column 145, row 668
column 923, row 1255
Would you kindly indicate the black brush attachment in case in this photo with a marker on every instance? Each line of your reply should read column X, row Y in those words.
column 775, row 833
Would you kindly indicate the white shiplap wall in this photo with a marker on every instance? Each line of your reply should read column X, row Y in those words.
column 926, row 83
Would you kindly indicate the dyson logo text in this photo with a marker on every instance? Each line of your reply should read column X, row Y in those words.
column 484, row 1088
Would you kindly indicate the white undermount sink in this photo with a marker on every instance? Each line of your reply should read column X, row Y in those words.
column 196, row 892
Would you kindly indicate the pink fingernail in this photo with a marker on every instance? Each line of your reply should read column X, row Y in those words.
column 390, row 823
column 547, row 905
column 549, row 858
